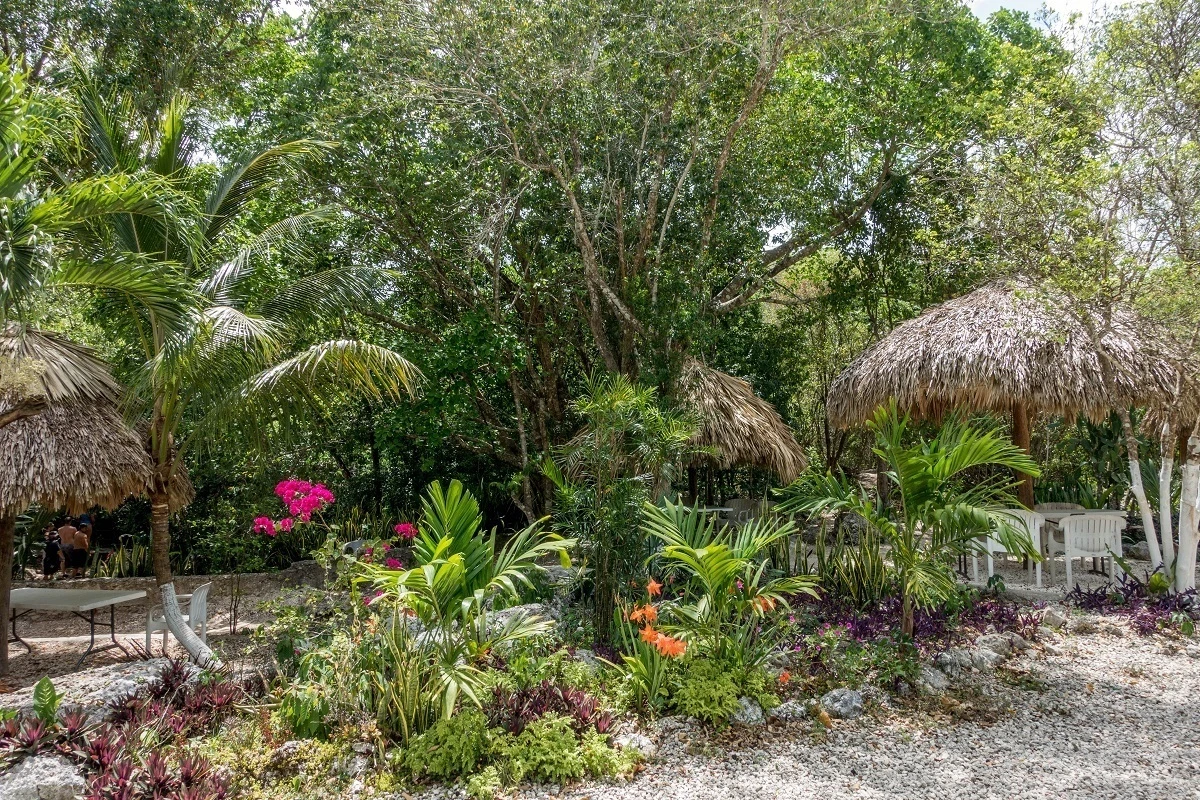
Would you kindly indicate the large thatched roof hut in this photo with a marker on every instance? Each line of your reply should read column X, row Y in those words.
column 739, row 426
column 1004, row 344
column 1006, row 347
column 76, row 453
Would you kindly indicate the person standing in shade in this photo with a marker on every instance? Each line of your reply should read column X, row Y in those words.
column 51, row 559
column 79, row 553
column 66, row 543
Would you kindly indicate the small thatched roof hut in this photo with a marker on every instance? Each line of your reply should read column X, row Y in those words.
column 738, row 424
column 1006, row 344
column 76, row 453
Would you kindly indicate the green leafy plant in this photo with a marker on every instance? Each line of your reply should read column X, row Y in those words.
column 460, row 578
column 941, row 506
column 626, row 453
column 546, row 751
column 46, row 701
column 707, row 690
column 452, row 748
column 729, row 585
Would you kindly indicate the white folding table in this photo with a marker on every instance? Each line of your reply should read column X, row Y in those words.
column 83, row 603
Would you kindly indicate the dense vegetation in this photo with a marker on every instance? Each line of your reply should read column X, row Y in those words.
column 516, row 198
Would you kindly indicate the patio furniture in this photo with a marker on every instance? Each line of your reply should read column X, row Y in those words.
column 1096, row 535
column 1032, row 523
column 194, row 608
column 743, row 509
column 1058, row 507
column 83, row 603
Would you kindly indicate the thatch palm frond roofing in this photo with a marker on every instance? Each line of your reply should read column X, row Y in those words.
column 1003, row 344
column 78, row 452
column 738, row 424
column 68, row 371
column 73, row 455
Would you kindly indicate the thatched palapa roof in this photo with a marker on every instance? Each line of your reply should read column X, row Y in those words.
column 1006, row 343
column 738, row 424
column 78, row 452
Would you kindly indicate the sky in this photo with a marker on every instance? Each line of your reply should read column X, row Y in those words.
column 1063, row 8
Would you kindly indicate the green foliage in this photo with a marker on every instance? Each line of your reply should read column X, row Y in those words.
column 941, row 506
column 854, row 570
column 452, row 748
column 485, row 785
column 706, row 690
column 46, row 701
column 627, row 452
column 459, row 579
column 729, row 584
column 545, row 751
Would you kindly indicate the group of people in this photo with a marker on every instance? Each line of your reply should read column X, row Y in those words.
column 67, row 548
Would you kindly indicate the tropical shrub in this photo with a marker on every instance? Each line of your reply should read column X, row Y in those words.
column 626, row 453
column 428, row 629
column 136, row 753
column 453, row 747
column 728, row 585
column 547, row 750
column 941, row 506
column 708, row 691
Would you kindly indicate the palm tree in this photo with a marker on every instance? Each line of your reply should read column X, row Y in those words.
column 942, row 508
column 207, row 359
column 43, row 222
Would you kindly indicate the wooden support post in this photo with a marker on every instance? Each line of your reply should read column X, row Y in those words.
column 1020, row 435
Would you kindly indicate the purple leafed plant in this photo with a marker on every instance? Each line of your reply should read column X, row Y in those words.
column 513, row 710
column 1148, row 612
column 115, row 766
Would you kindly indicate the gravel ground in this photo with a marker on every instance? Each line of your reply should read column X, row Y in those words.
column 1110, row 716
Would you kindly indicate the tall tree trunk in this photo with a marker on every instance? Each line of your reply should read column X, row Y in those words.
column 1139, row 489
column 1165, row 471
column 160, row 552
column 1020, row 432
column 8, row 526
column 907, row 623
column 1185, row 563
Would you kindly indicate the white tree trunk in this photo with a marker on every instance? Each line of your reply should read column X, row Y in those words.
column 1185, row 563
column 197, row 649
column 1139, row 489
column 1165, row 471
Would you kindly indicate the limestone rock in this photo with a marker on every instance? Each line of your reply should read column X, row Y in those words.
column 996, row 642
column 954, row 662
column 749, row 713
column 42, row 778
column 637, row 742
column 842, row 703
column 932, row 681
column 984, row 659
column 788, row 711
column 1054, row 617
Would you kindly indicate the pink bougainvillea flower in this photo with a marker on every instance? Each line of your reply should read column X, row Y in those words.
column 371, row 598
column 393, row 563
column 285, row 524
column 264, row 525
column 406, row 531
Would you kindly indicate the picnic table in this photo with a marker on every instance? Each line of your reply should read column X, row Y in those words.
column 83, row 603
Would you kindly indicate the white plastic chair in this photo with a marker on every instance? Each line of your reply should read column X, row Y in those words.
column 1032, row 522
column 1087, row 535
column 194, row 607
column 743, row 509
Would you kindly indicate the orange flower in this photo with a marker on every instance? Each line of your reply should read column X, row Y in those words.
column 784, row 677
column 670, row 646
column 646, row 613
column 649, row 634
column 654, row 588
column 764, row 604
